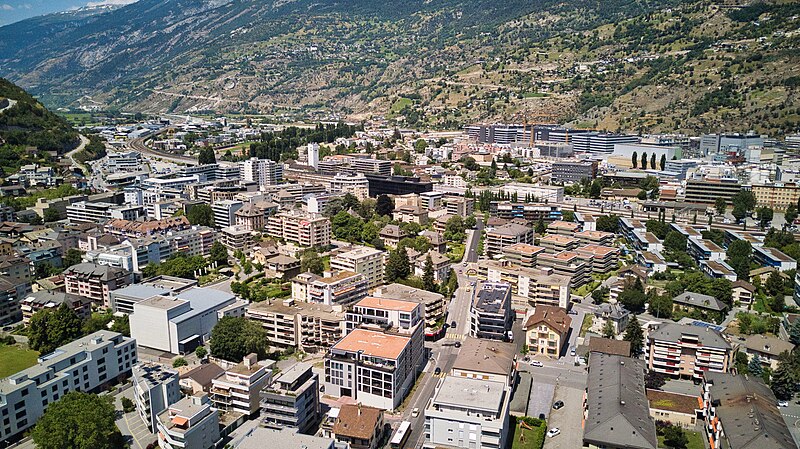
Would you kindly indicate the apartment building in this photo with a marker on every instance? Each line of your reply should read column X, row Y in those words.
column 411, row 214
column 251, row 217
column 392, row 234
column 601, row 259
column 486, row 360
column 560, row 227
column 776, row 195
column 312, row 230
column 51, row 300
column 358, row 426
column 332, row 288
column 292, row 401
column 528, row 286
column 461, row 206
column 468, row 413
column 85, row 212
column 595, row 237
column 136, row 229
column 702, row 249
column 357, row 185
column 490, row 312
column 237, row 237
column 238, row 388
column 554, row 243
column 191, row 423
column 717, row 270
column 507, row 235
column 306, row 326
column 532, row 212
column 707, row 190
column 264, row 172
column 569, row 264
column 683, row 351
column 772, row 257
column 522, row 254
column 362, row 260
column 432, row 303
column 16, row 268
column 95, row 281
column 154, row 389
column 10, row 296
column 225, row 212
column 372, row 166
column 546, row 329
column 87, row 364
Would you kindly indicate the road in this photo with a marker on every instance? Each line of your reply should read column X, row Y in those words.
column 139, row 145
column 71, row 154
column 473, row 237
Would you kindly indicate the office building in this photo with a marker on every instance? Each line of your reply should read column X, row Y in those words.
column 292, row 400
column 396, row 185
column 154, row 389
column 683, row 351
column 301, row 228
column 490, row 312
column 546, row 330
column 468, row 413
column 95, row 281
column 571, row 172
column 123, row 299
column 238, row 388
column 264, row 172
column 362, row 260
column 616, row 411
column 776, row 195
column 225, row 212
column 191, row 423
column 531, row 212
column 357, row 185
column 507, row 235
column 87, row 364
column 600, row 143
column 85, row 212
column 709, row 189
column 332, row 288
column 369, row 166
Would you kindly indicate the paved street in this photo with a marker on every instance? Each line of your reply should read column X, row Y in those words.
column 568, row 419
column 131, row 425
column 473, row 237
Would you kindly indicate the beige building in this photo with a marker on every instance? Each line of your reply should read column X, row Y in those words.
column 290, row 324
column 332, row 288
column 507, row 235
column 488, row 360
column 678, row 409
column 776, row 195
column 238, row 388
column 360, row 259
column 546, row 330
column 529, row 286
column 304, row 229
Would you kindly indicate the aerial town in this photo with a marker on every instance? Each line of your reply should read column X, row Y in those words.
column 222, row 283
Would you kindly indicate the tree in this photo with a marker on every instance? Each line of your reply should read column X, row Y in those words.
column 608, row 223
column 200, row 215
column 634, row 159
column 51, row 215
column 675, row 241
column 600, row 294
column 635, row 335
column 398, row 266
column 675, row 437
column 127, row 405
column 661, row 306
column 540, row 227
column 420, row 145
column 741, row 362
column 48, row 329
column 794, row 333
column 653, row 162
column 201, row 352
column 764, row 215
column 739, row 254
column 471, row 222
column 235, row 337
column 122, row 325
column 207, row 156
column 720, row 205
column 79, row 421
column 218, row 254
column 608, row 329
column 595, row 189
column 774, row 284
column 454, row 229
column 744, row 198
column 663, row 163
column 791, row 214
column 427, row 277
column 644, row 161
column 786, row 375
column 179, row 362
column 73, row 256
column 633, row 297
column 310, row 261
column 754, row 366
column 654, row 380
column 384, row 206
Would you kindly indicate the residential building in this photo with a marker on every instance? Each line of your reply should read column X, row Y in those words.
column 251, row 217
column 490, row 312
column 776, row 195
column 255, row 437
column 546, row 329
column 702, row 249
column 362, row 260
column 11, row 295
column 677, row 409
column 50, row 300
column 225, row 212
column 601, row 259
column 87, row 364
column 332, row 288
column 766, row 348
column 264, row 172
column 306, row 326
column 198, row 380
column 740, row 413
column 772, row 257
column 85, row 212
column 411, row 214
column 530, row 285
column 616, row 313
column 358, row 426
column 292, row 400
column 553, row 243
column 560, row 227
column 717, row 270
column 95, row 281
column 532, row 212
column 609, row 346
column 683, row 351
column 457, row 205
column 282, row 267
column 191, row 423
column 433, row 303
column 571, row 172
column 522, row 254
column 468, row 413
column 441, row 265
column 616, row 410
column 238, row 388
column 688, row 301
column 312, row 230
column 154, row 389
column 178, row 324
column 743, row 292
column 507, row 235
column 391, row 235
column 237, row 237
column 16, row 268
column 357, row 185
column 591, row 237
column 486, row 360
column 568, row 264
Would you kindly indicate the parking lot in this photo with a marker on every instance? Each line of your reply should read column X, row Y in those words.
column 568, row 419
column 131, row 426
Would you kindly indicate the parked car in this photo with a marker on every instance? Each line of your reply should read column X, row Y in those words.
column 536, row 363
column 437, row 371
column 415, row 412
column 783, row 403
column 453, row 324
column 572, row 351
column 558, row 404
column 553, row 432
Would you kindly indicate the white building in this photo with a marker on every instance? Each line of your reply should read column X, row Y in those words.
column 264, row 172
column 356, row 184
column 313, row 155
column 86, row 364
column 191, row 423
column 363, row 260
column 238, row 388
column 542, row 194
column 154, row 389
column 225, row 212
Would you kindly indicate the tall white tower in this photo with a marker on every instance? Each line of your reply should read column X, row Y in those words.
column 313, row 155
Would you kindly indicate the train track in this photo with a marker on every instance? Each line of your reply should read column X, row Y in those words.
column 139, row 145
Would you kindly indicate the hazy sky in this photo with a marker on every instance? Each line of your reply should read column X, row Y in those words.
column 15, row 10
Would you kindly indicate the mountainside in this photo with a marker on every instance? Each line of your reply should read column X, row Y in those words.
column 26, row 122
column 617, row 64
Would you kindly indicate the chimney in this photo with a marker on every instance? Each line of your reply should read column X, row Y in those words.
column 359, row 409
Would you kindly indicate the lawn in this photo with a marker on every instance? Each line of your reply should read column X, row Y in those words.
column 585, row 289
column 587, row 323
column 401, row 103
column 695, row 440
column 455, row 252
column 14, row 359
column 530, row 439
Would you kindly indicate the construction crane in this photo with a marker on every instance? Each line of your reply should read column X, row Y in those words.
column 535, row 119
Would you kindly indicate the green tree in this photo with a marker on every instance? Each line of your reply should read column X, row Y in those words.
column 310, row 261
column 765, row 215
column 791, row 214
column 599, row 294
column 744, row 198
column 78, row 421
column 786, row 375
column 754, row 366
column 201, row 215
column 122, row 324
column 235, row 337
column 644, row 161
column 201, row 352
column 384, row 206
column 741, row 362
column 739, row 255
column 635, row 335
column 427, row 277
column 48, row 329
column 127, row 405
column 675, row 437
column 51, row 215
column 72, row 257
column 398, row 266
column 661, row 306
column 675, row 241
column 595, row 189
column 635, row 159
column 720, row 205
column 420, row 145
column 206, row 156
column 218, row 254
column 608, row 329
column 454, row 229
column 663, row 163
column 179, row 362
column 794, row 333
column 471, row 222
column 774, row 284
column 633, row 297
column 653, row 162
column 541, row 228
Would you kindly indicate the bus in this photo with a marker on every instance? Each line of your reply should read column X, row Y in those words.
column 401, row 436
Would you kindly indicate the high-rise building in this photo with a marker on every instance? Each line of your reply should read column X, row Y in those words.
column 265, row 172
column 313, row 155
column 154, row 389
column 191, row 423
column 293, row 399
column 225, row 212
column 363, row 260
column 302, row 228
column 490, row 312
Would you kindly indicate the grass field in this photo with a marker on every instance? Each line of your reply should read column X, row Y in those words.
column 530, row 439
column 14, row 359
column 587, row 323
column 695, row 440
column 400, row 104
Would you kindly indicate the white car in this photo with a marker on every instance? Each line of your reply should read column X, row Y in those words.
column 783, row 403
column 415, row 412
column 553, row 432
column 536, row 363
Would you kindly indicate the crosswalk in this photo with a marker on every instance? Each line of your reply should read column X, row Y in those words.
column 455, row 336
column 440, row 375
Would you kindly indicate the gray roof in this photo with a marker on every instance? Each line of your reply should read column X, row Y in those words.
column 261, row 437
column 773, row 346
column 486, row 356
column 140, row 291
column 692, row 299
column 672, row 332
column 202, row 300
column 472, row 394
column 104, row 272
column 44, row 297
column 618, row 411
column 748, row 413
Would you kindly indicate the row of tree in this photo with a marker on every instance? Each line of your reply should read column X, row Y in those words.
column 635, row 161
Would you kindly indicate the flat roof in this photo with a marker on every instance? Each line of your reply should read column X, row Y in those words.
column 404, row 292
column 598, row 250
column 372, row 343
column 473, row 394
column 387, row 304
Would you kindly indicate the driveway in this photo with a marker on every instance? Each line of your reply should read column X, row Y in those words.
column 131, row 425
column 568, row 418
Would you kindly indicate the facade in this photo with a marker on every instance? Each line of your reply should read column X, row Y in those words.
column 86, row 364
column 507, row 235
column 468, row 413
column 306, row 326
column 362, row 260
column 191, row 423
column 546, row 330
column 532, row 212
column 600, row 259
column 154, row 389
column 570, row 172
column 683, row 351
column 396, row 185
column 264, row 172
column 238, row 388
column 10, row 295
column 292, row 400
column 341, row 287
column 95, row 281
column 553, row 243
column 123, row 299
column 569, row 264
column 225, row 212
column 49, row 300
column 433, row 303
column 772, row 257
column 304, row 229
column 767, row 348
column 708, row 190
column 490, row 312
column 528, row 286
column 358, row 426
column 776, row 195
column 522, row 254
column 486, row 360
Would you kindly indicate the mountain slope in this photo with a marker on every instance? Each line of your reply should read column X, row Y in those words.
column 26, row 122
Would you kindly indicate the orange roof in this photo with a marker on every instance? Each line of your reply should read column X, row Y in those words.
column 597, row 250
column 555, row 238
column 180, row 420
column 387, row 304
column 376, row 344
column 524, row 248
column 593, row 234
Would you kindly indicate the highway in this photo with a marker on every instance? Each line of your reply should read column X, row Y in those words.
column 139, row 145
